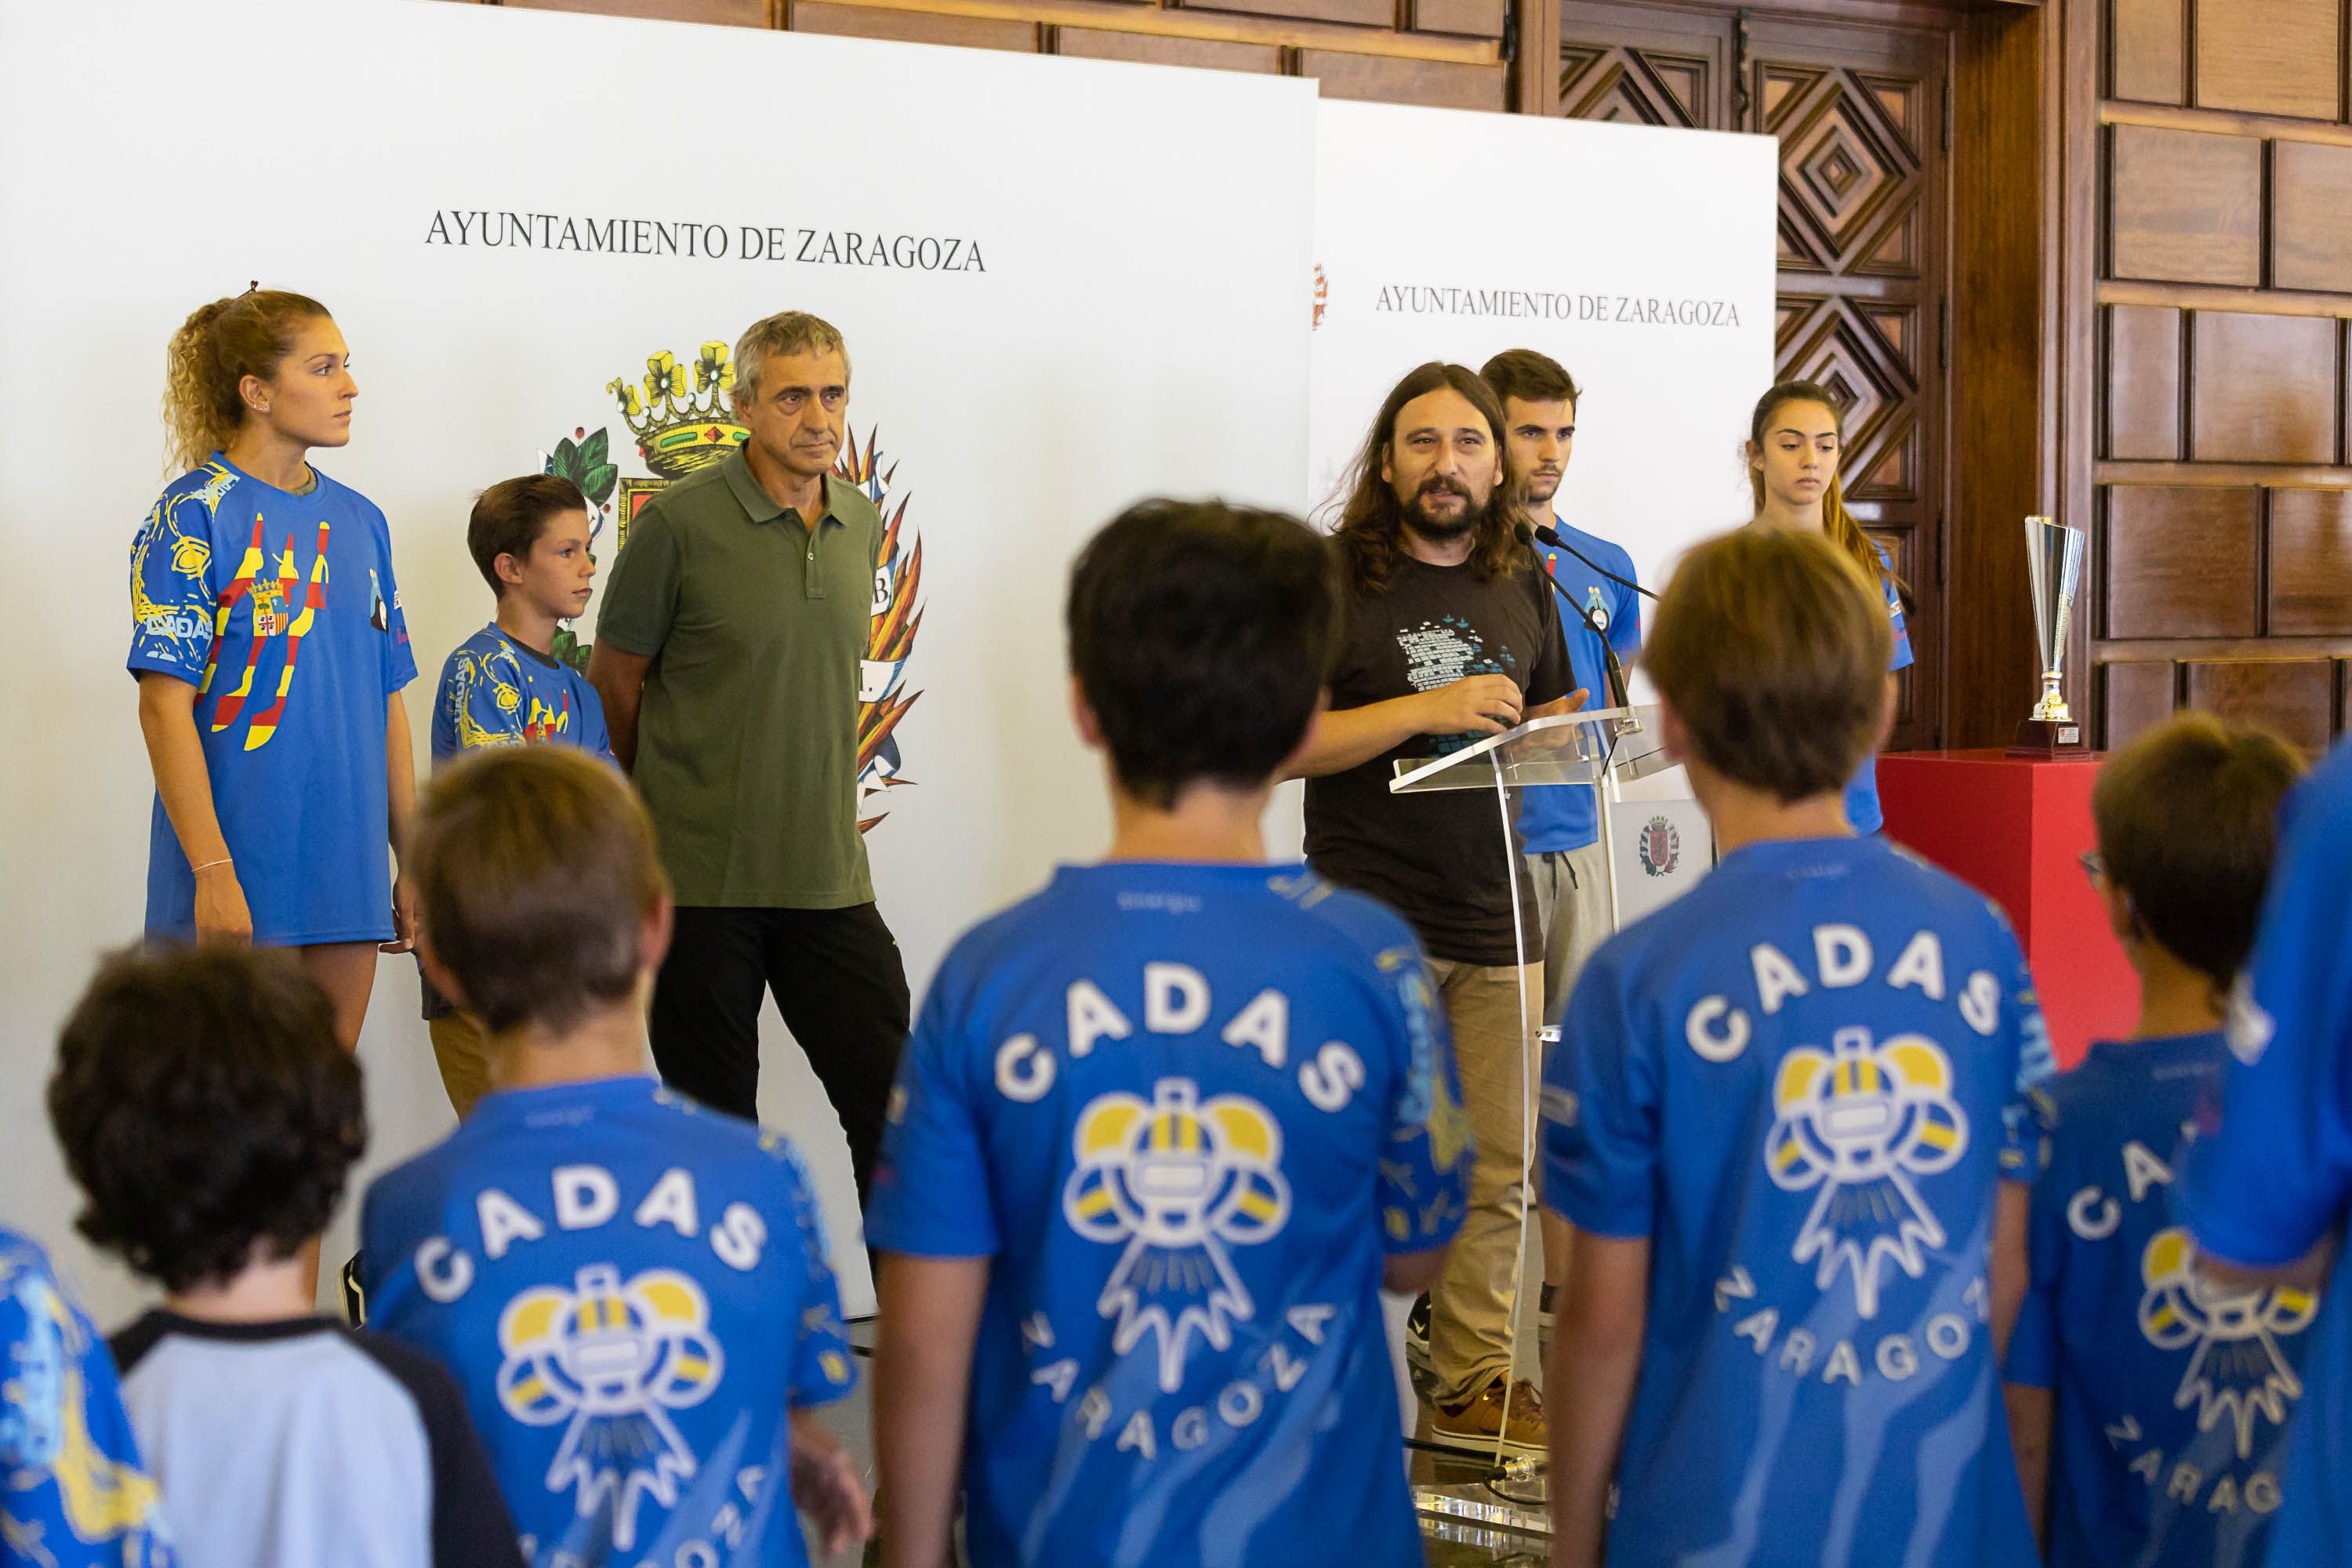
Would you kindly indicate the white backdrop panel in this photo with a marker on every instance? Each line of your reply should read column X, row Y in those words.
column 1640, row 258
column 1136, row 330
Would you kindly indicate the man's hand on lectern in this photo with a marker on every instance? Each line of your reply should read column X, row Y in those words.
column 1475, row 705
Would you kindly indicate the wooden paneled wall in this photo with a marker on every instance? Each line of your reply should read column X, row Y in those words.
column 2221, row 487
column 1444, row 52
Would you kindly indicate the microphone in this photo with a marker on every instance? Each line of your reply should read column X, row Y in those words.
column 1551, row 536
column 1610, row 665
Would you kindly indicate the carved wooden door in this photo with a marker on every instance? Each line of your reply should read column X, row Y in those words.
column 1860, row 114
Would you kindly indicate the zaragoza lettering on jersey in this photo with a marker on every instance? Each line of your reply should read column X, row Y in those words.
column 1181, row 1109
column 1802, row 1084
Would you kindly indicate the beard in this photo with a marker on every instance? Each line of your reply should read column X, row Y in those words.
column 1419, row 517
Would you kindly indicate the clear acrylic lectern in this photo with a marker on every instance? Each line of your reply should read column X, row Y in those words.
column 1655, row 848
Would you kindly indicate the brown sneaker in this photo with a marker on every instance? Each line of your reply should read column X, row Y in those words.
column 1474, row 1423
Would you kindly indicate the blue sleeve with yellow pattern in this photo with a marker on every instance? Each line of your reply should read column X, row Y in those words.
column 174, row 601
column 822, row 1369
column 1425, row 1161
column 480, row 703
column 72, row 1494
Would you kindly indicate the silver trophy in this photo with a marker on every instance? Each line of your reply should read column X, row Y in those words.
column 2053, row 564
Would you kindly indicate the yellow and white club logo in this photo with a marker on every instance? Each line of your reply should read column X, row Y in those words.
column 1179, row 1180
column 2237, row 1369
column 1862, row 1124
column 614, row 1358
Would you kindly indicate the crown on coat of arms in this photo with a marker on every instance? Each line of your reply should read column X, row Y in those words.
column 679, row 431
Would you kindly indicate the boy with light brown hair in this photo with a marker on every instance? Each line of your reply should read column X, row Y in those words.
column 635, row 1292
column 1780, row 1120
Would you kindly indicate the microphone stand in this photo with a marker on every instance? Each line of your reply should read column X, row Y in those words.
column 1551, row 536
column 1611, row 667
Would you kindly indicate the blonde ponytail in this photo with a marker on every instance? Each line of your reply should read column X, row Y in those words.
column 215, row 349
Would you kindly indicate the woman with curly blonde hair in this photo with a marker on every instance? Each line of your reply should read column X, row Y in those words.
column 269, row 648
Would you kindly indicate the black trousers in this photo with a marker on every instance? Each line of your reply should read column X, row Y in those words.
column 839, row 983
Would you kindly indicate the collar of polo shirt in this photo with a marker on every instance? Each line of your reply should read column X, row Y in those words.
column 761, row 506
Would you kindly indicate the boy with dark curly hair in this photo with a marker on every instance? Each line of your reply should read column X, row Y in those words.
column 210, row 1116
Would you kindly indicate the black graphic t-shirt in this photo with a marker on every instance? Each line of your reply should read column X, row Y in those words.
column 1436, row 858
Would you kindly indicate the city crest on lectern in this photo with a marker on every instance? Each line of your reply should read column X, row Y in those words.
column 682, row 417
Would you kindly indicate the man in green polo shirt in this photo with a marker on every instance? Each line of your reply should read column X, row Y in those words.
column 727, row 652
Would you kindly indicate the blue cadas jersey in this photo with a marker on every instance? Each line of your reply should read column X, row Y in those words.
column 282, row 612
column 1563, row 817
column 1802, row 1082
column 2170, row 1399
column 2275, row 1179
column 72, row 1492
column 497, row 693
column 1862, row 807
column 633, row 1292
column 1181, row 1109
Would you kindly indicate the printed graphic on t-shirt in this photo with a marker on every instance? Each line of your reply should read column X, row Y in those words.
column 498, row 674
column 610, row 1358
column 2234, row 1369
column 1861, row 1123
column 1178, row 1182
column 1441, row 652
column 1597, row 612
column 271, row 599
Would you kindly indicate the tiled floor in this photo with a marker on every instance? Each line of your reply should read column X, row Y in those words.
column 1447, row 1546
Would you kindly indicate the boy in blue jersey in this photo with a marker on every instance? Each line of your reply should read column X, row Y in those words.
column 1166, row 1127
column 633, row 1291
column 72, row 1494
column 504, row 686
column 1778, row 1121
column 2155, row 1406
column 2268, row 1190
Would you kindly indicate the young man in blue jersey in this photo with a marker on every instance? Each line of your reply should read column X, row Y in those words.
column 1785, row 1119
column 1166, row 1127
column 504, row 686
column 633, row 1291
column 1562, row 826
column 2148, row 1410
column 2267, row 1193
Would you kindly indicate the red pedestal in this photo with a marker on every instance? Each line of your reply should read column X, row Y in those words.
column 2014, row 827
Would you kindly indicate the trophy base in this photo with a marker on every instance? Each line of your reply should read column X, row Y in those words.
column 2051, row 739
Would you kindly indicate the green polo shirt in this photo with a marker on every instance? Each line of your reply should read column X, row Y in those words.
column 747, row 742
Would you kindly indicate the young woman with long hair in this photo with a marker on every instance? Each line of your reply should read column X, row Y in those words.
column 1794, row 443
column 269, row 646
